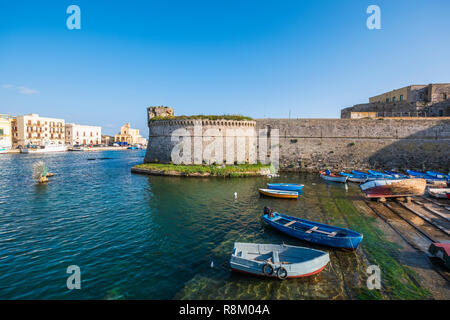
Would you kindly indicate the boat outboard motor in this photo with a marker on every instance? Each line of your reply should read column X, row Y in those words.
column 268, row 211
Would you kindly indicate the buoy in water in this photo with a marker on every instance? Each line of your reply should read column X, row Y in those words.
column 212, row 264
column 235, row 195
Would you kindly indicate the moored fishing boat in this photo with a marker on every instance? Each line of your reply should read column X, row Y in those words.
column 334, row 177
column 279, row 193
column 313, row 231
column 354, row 177
column 438, row 175
column 48, row 147
column 397, row 175
column 438, row 192
column 365, row 174
column 380, row 175
column 281, row 261
column 286, row 186
column 429, row 178
column 3, row 150
column 76, row 148
column 394, row 188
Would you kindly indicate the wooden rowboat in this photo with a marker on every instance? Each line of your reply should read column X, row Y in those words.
column 313, row 231
column 279, row 193
column 394, row 188
column 334, row 177
column 286, row 186
column 281, row 261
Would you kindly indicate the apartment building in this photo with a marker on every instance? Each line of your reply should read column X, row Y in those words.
column 36, row 130
column 82, row 134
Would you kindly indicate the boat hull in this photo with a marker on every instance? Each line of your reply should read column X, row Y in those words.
column 305, row 261
column 342, row 179
column 394, row 188
column 351, row 241
column 44, row 150
column 440, row 193
column 285, row 186
column 279, row 193
column 354, row 178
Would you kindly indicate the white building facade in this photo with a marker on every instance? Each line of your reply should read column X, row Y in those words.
column 35, row 130
column 5, row 132
column 82, row 134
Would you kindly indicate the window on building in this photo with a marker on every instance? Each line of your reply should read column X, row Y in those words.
column 393, row 99
column 401, row 97
column 387, row 99
column 444, row 95
column 441, row 113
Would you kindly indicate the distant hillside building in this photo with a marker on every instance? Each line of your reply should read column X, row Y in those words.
column 432, row 100
column 83, row 134
column 129, row 135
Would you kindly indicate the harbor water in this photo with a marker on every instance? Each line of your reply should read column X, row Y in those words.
column 148, row 237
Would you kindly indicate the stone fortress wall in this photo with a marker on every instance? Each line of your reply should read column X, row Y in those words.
column 235, row 140
column 315, row 144
column 347, row 144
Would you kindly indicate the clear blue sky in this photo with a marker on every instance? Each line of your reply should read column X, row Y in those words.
column 257, row 58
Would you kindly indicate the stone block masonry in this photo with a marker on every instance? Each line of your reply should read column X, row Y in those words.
column 346, row 144
column 307, row 144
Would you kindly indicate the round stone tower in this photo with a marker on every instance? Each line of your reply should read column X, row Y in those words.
column 199, row 141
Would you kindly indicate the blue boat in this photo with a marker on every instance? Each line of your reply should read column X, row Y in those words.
column 381, row 175
column 370, row 177
column 358, row 178
column 360, row 173
column 397, row 175
column 438, row 175
column 418, row 174
column 286, row 186
column 311, row 231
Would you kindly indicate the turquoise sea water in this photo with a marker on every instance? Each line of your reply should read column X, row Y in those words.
column 141, row 237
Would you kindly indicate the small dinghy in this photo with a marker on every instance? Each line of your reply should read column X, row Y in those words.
column 313, row 231
column 438, row 175
column 286, row 186
column 394, row 188
column 354, row 177
column 334, row 177
column 281, row 261
column 421, row 175
column 440, row 193
column 279, row 193
column 397, row 175
column 381, row 175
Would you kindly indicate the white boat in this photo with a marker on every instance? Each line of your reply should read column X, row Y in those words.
column 3, row 150
column 281, row 261
column 48, row 147
column 438, row 192
column 76, row 149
